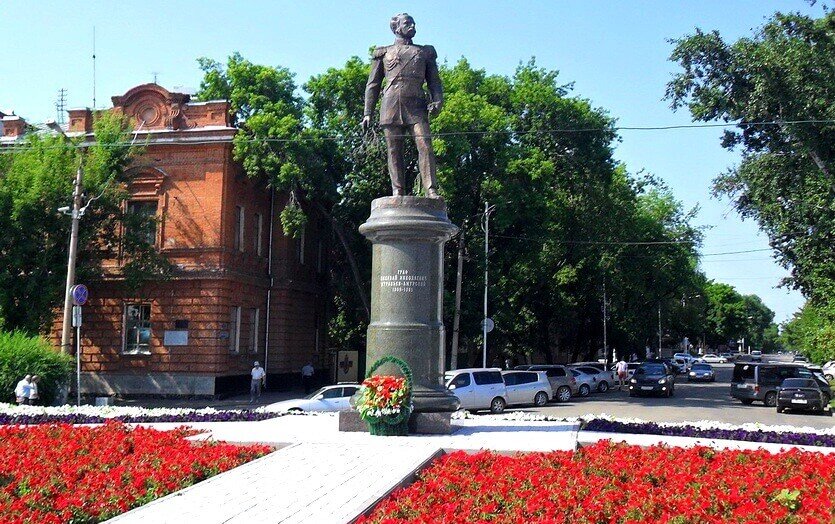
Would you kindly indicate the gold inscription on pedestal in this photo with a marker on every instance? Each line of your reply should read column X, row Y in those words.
column 402, row 281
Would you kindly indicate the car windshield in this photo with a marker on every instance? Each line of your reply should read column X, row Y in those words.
column 701, row 367
column 317, row 392
column 798, row 383
column 650, row 369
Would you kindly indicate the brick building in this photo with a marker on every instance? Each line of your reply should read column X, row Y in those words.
column 241, row 290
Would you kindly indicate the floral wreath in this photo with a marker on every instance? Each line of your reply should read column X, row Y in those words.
column 386, row 398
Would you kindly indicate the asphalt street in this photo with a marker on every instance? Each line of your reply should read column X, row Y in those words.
column 692, row 402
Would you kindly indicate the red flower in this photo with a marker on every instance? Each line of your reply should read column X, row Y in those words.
column 59, row 473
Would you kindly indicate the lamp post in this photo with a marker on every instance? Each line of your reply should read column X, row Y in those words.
column 485, row 225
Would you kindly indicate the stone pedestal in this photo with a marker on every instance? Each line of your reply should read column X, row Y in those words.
column 419, row 423
column 408, row 236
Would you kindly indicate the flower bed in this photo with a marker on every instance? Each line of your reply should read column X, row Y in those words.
column 617, row 483
column 10, row 414
column 686, row 430
column 61, row 473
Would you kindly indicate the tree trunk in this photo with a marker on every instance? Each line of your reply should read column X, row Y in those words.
column 352, row 261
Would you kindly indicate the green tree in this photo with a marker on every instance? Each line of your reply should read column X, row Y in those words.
column 777, row 86
column 36, row 178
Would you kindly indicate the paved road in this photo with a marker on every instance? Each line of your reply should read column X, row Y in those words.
column 692, row 402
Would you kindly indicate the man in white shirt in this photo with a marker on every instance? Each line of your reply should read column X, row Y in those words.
column 22, row 390
column 307, row 377
column 622, row 369
column 258, row 375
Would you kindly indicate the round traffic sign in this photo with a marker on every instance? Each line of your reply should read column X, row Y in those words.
column 490, row 324
column 79, row 294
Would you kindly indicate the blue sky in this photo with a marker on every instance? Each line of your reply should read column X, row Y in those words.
column 615, row 53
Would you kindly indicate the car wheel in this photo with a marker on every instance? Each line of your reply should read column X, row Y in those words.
column 585, row 390
column 671, row 392
column 631, row 393
column 770, row 399
column 747, row 401
column 564, row 394
column 829, row 377
column 295, row 410
column 540, row 399
column 497, row 405
column 603, row 387
column 780, row 410
column 826, row 400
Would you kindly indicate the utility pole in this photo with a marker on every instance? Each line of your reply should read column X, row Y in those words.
column 605, row 340
column 659, row 330
column 453, row 361
column 76, row 216
column 485, row 225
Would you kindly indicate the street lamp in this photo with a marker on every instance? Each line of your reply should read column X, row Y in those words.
column 485, row 225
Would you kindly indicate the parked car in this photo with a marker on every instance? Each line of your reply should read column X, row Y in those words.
column 712, row 358
column 800, row 358
column 680, row 365
column 328, row 398
column 522, row 367
column 585, row 383
column 728, row 356
column 755, row 381
column 829, row 370
column 562, row 382
column 701, row 371
column 652, row 377
column 802, row 394
column 478, row 388
column 527, row 387
column 757, row 355
column 601, row 367
column 685, row 356
column 603, row 379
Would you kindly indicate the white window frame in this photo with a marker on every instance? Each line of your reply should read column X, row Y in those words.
column 138, row 349
column 259, row 226
column 254, row 321
column 239, row 229
column 300, row 247
column 235, row 330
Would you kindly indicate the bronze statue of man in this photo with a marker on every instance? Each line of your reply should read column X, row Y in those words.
column 405, row 107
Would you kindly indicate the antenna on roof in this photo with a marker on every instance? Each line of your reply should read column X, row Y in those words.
column 94, row 67
column 155, row 73
column 60, row 106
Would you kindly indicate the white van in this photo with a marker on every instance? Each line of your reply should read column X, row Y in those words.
column 478, row 388
column 527, row 387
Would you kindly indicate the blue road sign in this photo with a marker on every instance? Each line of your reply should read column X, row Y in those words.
column 79, row 294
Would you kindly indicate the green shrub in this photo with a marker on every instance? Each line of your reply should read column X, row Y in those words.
column 22, row 355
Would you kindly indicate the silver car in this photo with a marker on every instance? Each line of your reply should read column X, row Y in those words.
column 585, row 382
column 527, row 387
column 562, row 382
column 603, row 380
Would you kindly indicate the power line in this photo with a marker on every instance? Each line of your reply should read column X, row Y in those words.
column 296, row 139
column 599, row 242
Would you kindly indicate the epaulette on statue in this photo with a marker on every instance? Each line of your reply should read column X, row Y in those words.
column 430, row 52
column 379, row 51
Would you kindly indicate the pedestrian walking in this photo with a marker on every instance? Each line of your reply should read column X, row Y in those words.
column 21, row 390
column 257, row 383
column 33, row 390
column 621, row 368
column 307, row 377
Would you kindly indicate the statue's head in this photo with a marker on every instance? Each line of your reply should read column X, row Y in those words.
column 403, row 25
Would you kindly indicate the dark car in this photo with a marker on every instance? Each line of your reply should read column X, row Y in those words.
column 652, row 377
column 800, row 358
column 760, row 381
column 801, row 393
column 701, row 371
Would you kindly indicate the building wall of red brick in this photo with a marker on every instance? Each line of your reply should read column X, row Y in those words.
column 199, row 189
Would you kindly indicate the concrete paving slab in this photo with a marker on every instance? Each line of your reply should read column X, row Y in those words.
column 302, row 483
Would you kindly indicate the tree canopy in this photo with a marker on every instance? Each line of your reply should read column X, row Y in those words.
column 36, row 178
column 569, row 218
column 777, row 87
